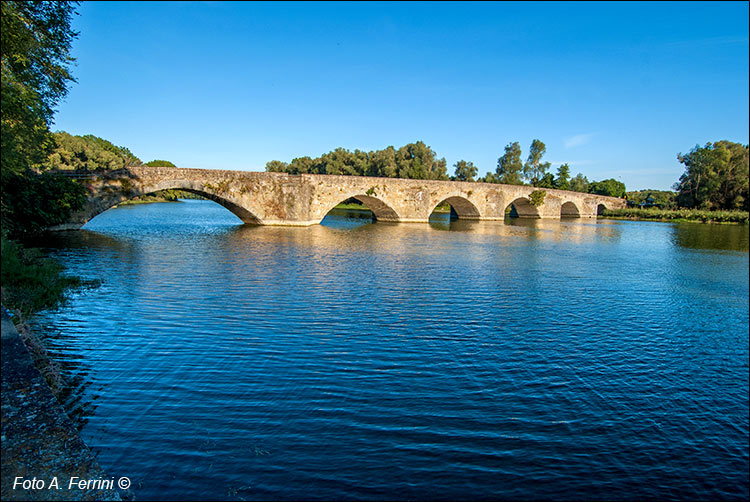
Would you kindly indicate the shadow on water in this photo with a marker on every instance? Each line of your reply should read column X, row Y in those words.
column 348, row 218
column 710, row 236
column 447, row 221
column 79, row 239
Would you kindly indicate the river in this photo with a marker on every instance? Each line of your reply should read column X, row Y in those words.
column 524, row 359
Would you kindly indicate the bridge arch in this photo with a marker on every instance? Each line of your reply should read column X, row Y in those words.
column 569, row 210
column 523, row 208
column 110, row 199
column 380, row 210
column 461, row 208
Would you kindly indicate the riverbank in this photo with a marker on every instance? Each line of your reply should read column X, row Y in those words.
column 43, row 456
column 678, row 215
column 145, row 199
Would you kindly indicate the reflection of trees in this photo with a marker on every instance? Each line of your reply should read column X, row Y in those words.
column 80, row 239
column 706, row 236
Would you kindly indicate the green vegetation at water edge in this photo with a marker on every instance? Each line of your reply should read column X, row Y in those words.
column 358, row 206
column 149, row 199
column 698, row 215
column 717, row 176
column 31, row 282
column 660, row 199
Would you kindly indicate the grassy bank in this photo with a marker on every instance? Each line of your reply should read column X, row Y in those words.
column 32, row 282
column 678, row 215
column 145, row 199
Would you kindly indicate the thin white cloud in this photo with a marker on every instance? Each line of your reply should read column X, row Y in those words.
column 578, row 140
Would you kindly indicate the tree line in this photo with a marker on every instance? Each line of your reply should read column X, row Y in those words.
column 413, row 161
column 419, row 161
column 92, row 153
column 716, row 177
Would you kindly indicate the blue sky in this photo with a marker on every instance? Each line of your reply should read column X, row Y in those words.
column 616, row 90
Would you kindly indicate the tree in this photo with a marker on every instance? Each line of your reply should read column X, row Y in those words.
column 562, row 182
column 534, row 169
column 465, row 171
column 509, row 166
column 35, row 202
column 383, row 163
column 579, row 183
column 418, row 161
column 716, row 177
column 343, row 162
column 489, row 178
column 661, row 198
column 547, row 181
column 414, row 160
column 536, row 198
column 301, row 165
column 339, row 161
column 35, row 48
column 159, row 163
column 610, row 187
column 276, row 166
column 88, row 153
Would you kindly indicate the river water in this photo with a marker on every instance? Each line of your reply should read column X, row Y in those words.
column 562, row 360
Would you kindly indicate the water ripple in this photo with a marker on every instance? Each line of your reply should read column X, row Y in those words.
column 482, row 360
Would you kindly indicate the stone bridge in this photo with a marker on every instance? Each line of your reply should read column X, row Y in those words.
column 263, row 198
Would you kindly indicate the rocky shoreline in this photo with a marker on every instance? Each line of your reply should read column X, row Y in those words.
column 43, row 456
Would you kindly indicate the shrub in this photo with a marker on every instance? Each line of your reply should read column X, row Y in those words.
column 32, row 282
column 537, row 197
column 680, row 214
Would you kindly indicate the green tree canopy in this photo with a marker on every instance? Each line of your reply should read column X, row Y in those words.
column 383, row 163
column 579, row 183
column 276, row 166
column 562, row 182
column 610, row 187
column 534, row 169
column 662, row 198
column 546, row 181
column 414, row 160
column 36, row 41
column 159, row 163
column 419, row 161
column 465, row 171
column 509, row 166
column 716, row 177
column 89, row 153
column 35, row 47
